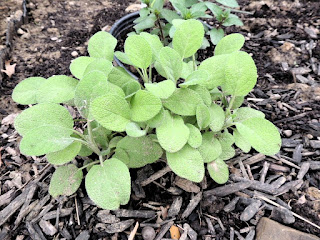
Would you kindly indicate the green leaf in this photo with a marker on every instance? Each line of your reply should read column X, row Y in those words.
column 114, row 141
column 198, row 77
column 218, row 171
column 43, row 140
column 229, row 3
column 119, row 76
column 210, row 148
column 139, row 51
column 131, row 88
column 123, row 57
column 144, row 106
column 79, row 65
column 229, row 44
column 237, row 102
column 100, row 134
column 215, row 66
column 102, row 45
column 141, row 151
column 99, row 64
column 85, row 151
column 241, row 142
column 122, row 155
column 241, row 81
column 217, row 117
column 173, row 134
column 245, row 113
column 157, row 120
column 171, row 63
column 216, row 35
column 261, row 134
column 26, row 91
column 91, row 86
column 57, row 89
column 162, row 89
column 65, row 180
column 134, row 130
column 169, row 15
column 203, row 93
column 180, row 6
column 111, row 111
column 160, row 69
column 187, row 69
column 203, row 116
column 187, row 163
column 232, row 20
column 48, row 115
column 148, row 22
column 188, row 38
column 154, row 42
column 195, row 138
column 109, row 185
column 65, row 155
column 183, row 102
column 214, row 8
column 226, row 140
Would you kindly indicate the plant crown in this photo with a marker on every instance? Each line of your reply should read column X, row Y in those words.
column 193, row 117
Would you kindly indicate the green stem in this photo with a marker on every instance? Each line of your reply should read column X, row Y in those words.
column 79, row 134
column 160, row 27
column 150, row 74
column 88, row 165
column 101, row 160
column 194, row 62
column 145, row 76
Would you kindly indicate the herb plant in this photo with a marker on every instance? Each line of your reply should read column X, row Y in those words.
column 163, row 21
column 192, row 118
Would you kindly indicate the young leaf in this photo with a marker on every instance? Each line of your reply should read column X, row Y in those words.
column 65, row 155
column 171, row 63
column 187, row 69
column 26, row 91
column 245, row 113
column 99, row 64
column 232, row 20
column 210, row 148
column 123, row 57
column 218, row 171
column 122, row 155
column 214, row 8
column 169, row 15
column 85, row 151
column 237, row 102
column 114, row 141
column 118, row 76
column 172, row 134
column 241, row 81
column 217, row 117
column 229, row 3
column 134, row 130
column 102, row 45
column 154, row 42
column 188, row 38
column 144, row 106
column 216, row 35
column 195, row 138
column 141, row 151
column 139, row 51
column 229, row 44
column 162, row 89
column 147, row 22
column 48, row 115
column 203, row 116
column 241, row 142
column 261, row 134
column 57, row 89
column 187, row 163
column 79, row 65
column 183, row 102
column 160, row 69
column 111, row 111
column 100, row 134
column 198, row 77
column 65, row 181
column 109, row 185
column 226, row 140
column 203, row 93
column 131, row 88
column 157, row 120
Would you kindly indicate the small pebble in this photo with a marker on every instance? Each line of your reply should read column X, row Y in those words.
column 148, row 233
column 288, row 133
column 309, row 136
column 74, row 54
column 54, row 38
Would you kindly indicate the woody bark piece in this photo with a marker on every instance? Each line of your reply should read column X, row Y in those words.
column 47, row 228
column 250, row 211
column 279, row 182
column 25, row 212
column 175, row 207
column 231, row 205
column 228, row 189
column 255, row 185
column 264, row 171
column 134, row 213
column 7, row 197
column 34, row 231
column 63, row 213
column 303, row 170
column 191, row 233
column 164, row 229
column 119, row 227
column 314, row 165
column 37, row 208
column 288, row 186
column 254, row 159
column 155, row 176
column 192, row 205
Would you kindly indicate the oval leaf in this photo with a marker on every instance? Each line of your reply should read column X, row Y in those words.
column 65, row 155
column 210, row 148
column 203, row 116
column 218, row 171
column 134, row 130
column 195, row 138
column 217, row 117
column 79, row 65
column 102, row 45
column 240, row 142
column 138, row 51
column 229, row 44
column 162, row 89
column 171, row 63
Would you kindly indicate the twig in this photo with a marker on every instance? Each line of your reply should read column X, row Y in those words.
column 77, row 211
column 133, row 232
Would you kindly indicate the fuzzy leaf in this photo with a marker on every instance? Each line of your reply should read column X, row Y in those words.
column 119, row 76
column 48, row 115
column 65, row 155
column 261, row 134
column 171, row 63
column 162, row 89
column 245, row 113
column 226, row 140
column 109, row 185
column 139, row 51
column 188, row 38
column 111, row 111
column 134, row 130
column 157, row 120
column 229, row 44
column 187, row 69
column 144, row 106
column 173, row 134
column 170, row 15
column 218, row 171
column 57, row 89
column 229, row 3
column 203, row 116
column 217, row 117
column 232, row 20
column 238, row 101
column 65, row 181
column 99, row 64
column 187, row 163
column 122, row 155
column 141, row 150
column 195, row 138
column 26, row 91
column 85, row 151
column 79, row 65
column 183, row 102
column 154, row 42
column 240, row 142
column 210, row 148
column 198, row 77
column 102, row 45
column 203, row 93
column 216, row 35
column 123, row 57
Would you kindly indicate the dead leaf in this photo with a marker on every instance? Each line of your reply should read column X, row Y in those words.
column 9, row 69
column 174, row 232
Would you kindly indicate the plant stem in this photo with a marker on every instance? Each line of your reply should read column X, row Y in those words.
column 194, row 62
column 88, row 165
column 230, row 105
column 150, row 73
column 160, row 28
column 79, row 134
column 101, row 160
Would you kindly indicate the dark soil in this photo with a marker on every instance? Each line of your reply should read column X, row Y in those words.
column 282, row 36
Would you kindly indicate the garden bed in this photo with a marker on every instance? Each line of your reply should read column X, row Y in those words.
column 283, row 37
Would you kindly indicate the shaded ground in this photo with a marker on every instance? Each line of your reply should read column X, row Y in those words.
column 283, row 37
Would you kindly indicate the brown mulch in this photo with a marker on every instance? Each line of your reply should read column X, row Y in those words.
column 283, row 37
